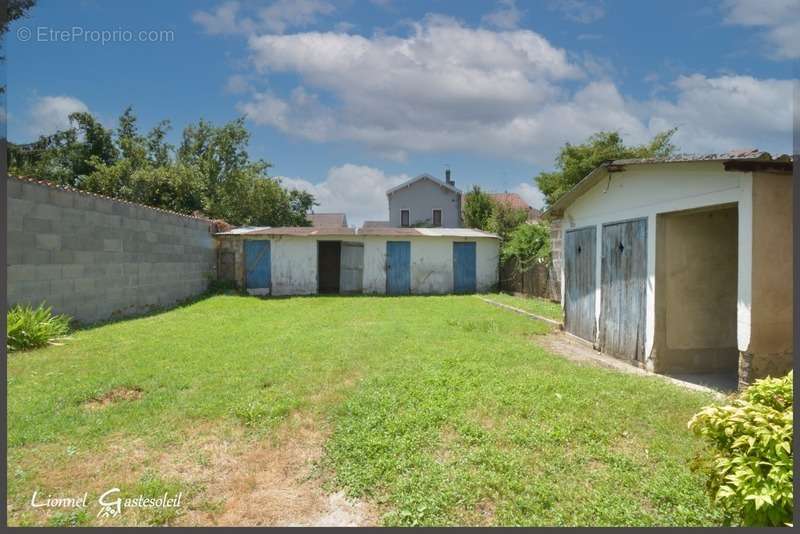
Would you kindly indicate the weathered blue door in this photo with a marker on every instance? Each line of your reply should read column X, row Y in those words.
column 257, row 264
column 464, row 268
column 398, row 267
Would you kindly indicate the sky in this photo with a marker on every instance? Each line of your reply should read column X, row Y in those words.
column 349, row 98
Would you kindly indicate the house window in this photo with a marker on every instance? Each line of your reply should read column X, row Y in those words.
column 405, row 218
column 437, row 217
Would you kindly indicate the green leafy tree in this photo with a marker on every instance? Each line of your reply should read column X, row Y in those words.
column 505, row 218
column 574, row 162
column 211, row 172
column 528, row 243
column 477, row 209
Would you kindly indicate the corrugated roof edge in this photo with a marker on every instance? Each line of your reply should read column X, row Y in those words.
column 752, row 155
column 310, row 231
column 70, row 189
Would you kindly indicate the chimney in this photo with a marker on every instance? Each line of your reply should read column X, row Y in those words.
column 447, row 179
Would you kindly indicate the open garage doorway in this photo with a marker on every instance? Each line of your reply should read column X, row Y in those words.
column 329, row 255
column 696, row 293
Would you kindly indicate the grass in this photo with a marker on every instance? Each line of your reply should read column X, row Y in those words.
column 437, row 410
column 543, row 307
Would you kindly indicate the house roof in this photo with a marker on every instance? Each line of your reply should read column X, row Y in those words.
column 428, row 232
column 308, row 231
column 299, row 231
column 327, row 220
column 733, row 160
column 517, row 202
column 375, row 224
column 423, row 177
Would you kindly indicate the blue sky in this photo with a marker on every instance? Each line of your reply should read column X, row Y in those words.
column 347, row 98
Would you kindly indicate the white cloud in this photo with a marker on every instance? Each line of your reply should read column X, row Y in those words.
column 780, row 19
column 238, row 84
column 222, row 20
column 506, row 17
column 717, row 114
column 48, row 114
column 229, row 17
column 448, row 87
column 356, row 190
column 530, row 194
column 582, row 11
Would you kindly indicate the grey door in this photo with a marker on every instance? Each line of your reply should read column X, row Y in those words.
column 623, row 278
column 580, row 259
column 352, row 272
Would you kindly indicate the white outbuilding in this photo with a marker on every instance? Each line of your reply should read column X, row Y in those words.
column 393, row 261
column 682, row 265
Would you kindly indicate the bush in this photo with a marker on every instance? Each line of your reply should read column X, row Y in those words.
column 29, row 328
column 528, row 243
column 749, row 462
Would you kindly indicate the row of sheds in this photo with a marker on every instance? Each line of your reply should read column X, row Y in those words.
column 394, row 261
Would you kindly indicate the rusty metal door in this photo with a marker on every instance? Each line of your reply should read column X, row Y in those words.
column 623, row 289
column 580, row 259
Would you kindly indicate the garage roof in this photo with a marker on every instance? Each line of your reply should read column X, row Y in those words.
column 309, row 231
column 734, row 159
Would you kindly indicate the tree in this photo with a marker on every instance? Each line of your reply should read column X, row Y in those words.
column 477, row 209
column 505, row 218
column 574, row 162
column 211, row 172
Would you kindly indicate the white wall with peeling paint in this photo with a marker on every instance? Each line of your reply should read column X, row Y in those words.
column 294, row 263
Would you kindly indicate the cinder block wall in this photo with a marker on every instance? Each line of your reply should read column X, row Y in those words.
column 95, row 258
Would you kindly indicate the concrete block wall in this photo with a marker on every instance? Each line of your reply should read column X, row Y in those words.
column 96, row 258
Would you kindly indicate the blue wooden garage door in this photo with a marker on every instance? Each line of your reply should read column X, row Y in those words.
column 257, row 264
column 398, row 267
column 464, row 280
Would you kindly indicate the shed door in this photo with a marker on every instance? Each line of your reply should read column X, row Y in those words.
column 398, row 267
column 623, row 278
column 464, row 268
column 580, row 259
column 257, row 264
column 351, row 278
column 328, row 265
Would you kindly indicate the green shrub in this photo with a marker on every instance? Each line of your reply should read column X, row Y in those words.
column 749, row 462
column 30, row 328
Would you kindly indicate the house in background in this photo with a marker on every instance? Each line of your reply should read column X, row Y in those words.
column 327, row 220
column 425, row 201
column 682, row 265
column 517, row 202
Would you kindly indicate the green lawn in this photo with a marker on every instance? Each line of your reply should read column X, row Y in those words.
column 434, row 410
column 543, row 307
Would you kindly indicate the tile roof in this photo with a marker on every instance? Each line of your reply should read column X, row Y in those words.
column 747, row 156
column 327, row 220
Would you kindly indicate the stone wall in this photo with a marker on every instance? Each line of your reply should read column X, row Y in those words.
column 96, row 258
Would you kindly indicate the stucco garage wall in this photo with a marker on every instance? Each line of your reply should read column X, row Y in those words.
column 770, row 345
column 95, row 258
column 431, row 263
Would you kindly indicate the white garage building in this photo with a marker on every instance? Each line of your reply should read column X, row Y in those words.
column 683, row 265
column 394, row 261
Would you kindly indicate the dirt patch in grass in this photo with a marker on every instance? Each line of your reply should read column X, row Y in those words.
column 230, row 477
column 113, row 396
column 265, row 482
